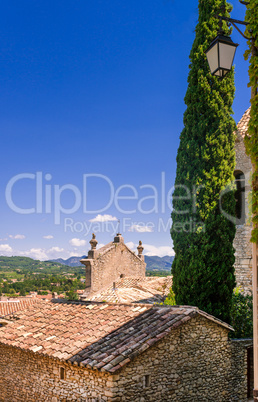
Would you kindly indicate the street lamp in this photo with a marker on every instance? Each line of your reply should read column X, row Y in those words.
column 220, row 55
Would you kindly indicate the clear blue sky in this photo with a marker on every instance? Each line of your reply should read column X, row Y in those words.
column 94, row 88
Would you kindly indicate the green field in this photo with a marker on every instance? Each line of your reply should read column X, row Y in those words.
column 23, row 274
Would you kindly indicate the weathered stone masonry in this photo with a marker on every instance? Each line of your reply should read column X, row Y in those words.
column 110, row 263
column 242, row 244
column 196, row 362
column 26, row 376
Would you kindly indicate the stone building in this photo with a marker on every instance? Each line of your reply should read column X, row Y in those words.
column 242, row 245
column 86, row 351
column 114, row 273
column 110, row 263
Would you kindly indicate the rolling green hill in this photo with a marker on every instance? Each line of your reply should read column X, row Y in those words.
column 26, row 264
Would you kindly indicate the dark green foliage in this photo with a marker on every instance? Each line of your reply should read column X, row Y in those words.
column 242, row 315
column 71, row 295
column 203, row 272
column 22, row 292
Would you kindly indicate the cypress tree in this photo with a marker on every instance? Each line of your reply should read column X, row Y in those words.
column 203, row 271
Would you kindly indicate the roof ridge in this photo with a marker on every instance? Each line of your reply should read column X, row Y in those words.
column 88, row 302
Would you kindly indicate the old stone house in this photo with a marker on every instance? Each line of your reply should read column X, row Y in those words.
column 243, row 247
column 109, row 263
column 88, row 351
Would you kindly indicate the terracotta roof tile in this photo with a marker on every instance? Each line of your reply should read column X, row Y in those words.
column 9, row 307
column 134, row 289
column 242, row 126
column 77, row 337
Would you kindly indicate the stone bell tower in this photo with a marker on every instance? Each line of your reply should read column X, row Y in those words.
column 110, row 263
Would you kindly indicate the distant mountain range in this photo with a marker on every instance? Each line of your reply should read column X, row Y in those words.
column 160, row 263
column 153, row 262
column 71, row 262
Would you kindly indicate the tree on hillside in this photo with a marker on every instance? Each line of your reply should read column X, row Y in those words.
column 203, row 272
column 22, row 292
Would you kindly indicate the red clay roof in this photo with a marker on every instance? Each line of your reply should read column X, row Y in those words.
column 44, row 297
column 134, row 289
column 11, row 306
column 95, row 335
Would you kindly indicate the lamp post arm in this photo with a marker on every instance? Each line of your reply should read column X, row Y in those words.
column 244, row 36
column 234, row 22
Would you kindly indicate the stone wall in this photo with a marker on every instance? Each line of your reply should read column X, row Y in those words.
column 242, row 245
column 196, row 362
column 110, row 266
column 25, row 376
column 245, row 345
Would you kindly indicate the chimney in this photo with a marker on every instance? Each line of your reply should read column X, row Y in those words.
column 118, row 238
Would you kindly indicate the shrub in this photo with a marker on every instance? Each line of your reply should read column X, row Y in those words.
column 242, row 315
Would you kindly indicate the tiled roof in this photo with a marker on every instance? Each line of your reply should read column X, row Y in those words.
column 242, row 126
column 45, row 297
column 11, row 306
column 135, row 289
column 95, row 335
